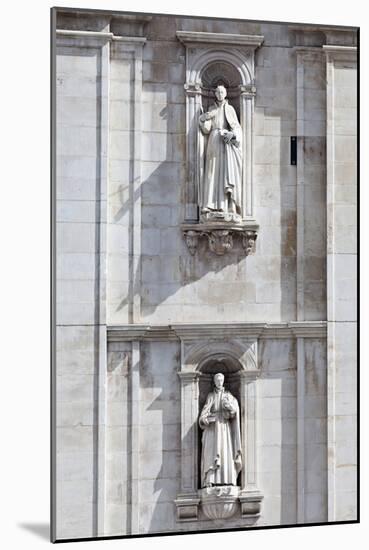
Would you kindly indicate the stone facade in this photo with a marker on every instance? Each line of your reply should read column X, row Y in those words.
column 133, row 301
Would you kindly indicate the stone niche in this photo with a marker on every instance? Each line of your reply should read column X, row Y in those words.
column 212, row 59
column 203, row 356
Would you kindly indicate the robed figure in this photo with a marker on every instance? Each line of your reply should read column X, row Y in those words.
column 220, row 188
column 221, row 456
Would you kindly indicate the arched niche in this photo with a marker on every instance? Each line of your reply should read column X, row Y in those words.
column 231, row 368
column 200, row 360
column 220, row 73
column 207, row 56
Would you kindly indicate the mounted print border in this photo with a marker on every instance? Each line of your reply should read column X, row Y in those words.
column 204, row 222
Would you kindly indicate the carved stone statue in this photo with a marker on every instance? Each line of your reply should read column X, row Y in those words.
column 221, row 186
column 221, row 458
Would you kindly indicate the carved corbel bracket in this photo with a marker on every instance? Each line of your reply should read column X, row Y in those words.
column 250, row 503
column 187, row 507
column 220, row 236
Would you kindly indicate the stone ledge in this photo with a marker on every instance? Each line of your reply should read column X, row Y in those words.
column 104, row 36
column 193, row 37
column 195, row 331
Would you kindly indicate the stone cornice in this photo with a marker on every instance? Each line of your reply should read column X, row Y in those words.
column 131, row 39
column 308, row 49
column 196, row 331
column 84, row 34
column 320, row 28
column 140, row 332
column 331, row 48
column 111, row 14
column 223, row 39
column 100, row 35
column 340, row 53
column 218, row 330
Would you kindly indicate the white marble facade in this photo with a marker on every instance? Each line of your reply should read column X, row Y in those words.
column 141, row 321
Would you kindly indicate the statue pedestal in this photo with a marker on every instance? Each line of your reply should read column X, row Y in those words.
column 219, row 502
column 220, row 235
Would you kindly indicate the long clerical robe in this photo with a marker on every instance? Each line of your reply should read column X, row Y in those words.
column 223, row 161
column 221, row 457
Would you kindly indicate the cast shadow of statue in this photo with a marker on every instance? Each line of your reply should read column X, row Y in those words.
column 278, row 445
column 277, row 441
column 310, row 226
column 278, row 452
column 161, row 460
column 166, row 267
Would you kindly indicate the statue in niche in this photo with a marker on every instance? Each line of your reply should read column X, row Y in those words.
column 220, row 195
column 221, row 457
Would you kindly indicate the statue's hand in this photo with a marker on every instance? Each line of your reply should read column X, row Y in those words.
column 228, row 137
column 206, row 116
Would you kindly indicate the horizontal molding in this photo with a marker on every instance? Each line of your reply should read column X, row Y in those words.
column 339, row 49
column 84, row 34
column 130, row 39
column 105, row 36
column 306, row 27
column 317, row 50
column 340, row 53
column 224, row 39
column 197, row 331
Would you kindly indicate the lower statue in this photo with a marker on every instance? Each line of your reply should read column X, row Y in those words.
column 221, row 457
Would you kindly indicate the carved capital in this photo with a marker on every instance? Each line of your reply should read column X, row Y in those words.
column 248, row 90
column 249, row 376
column 192, row 88
column 188, row 376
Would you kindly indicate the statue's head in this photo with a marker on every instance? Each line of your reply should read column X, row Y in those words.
column 220, row 92
column 218, row 380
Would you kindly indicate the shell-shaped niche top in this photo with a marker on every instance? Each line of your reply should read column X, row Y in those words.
column 223, row 73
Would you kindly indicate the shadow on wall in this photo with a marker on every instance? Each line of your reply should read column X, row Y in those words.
column 168, row 273
column 277, row 447
column 160, row 419
column 160, row 461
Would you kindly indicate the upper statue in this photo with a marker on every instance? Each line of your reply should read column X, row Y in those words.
column 221, row 457
column 221, row 186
